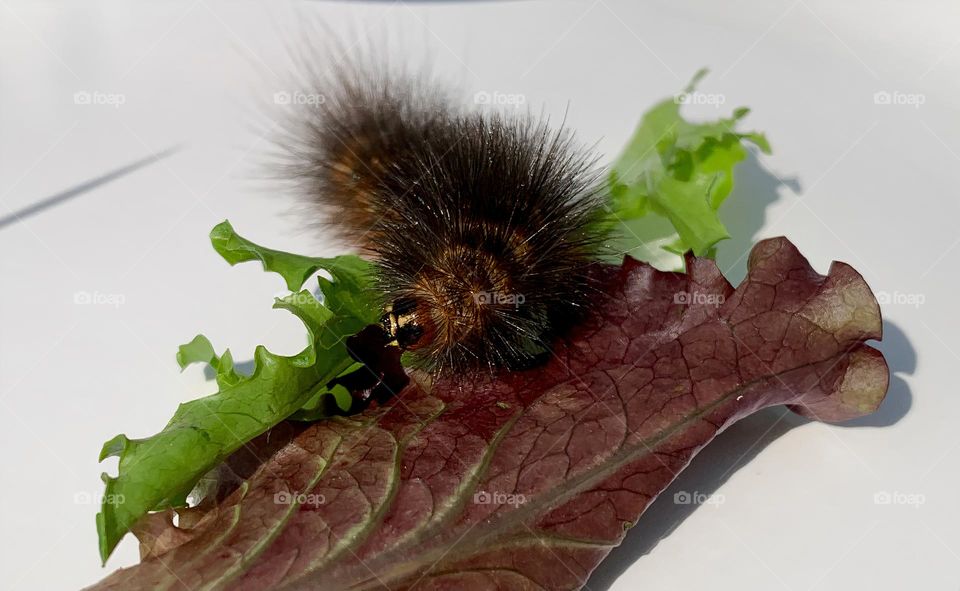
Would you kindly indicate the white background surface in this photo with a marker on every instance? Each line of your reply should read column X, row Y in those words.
column 874, row 185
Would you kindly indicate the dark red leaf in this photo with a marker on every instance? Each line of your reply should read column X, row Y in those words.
column 528, row 481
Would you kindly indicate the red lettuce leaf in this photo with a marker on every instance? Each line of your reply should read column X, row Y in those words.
column 528, row 480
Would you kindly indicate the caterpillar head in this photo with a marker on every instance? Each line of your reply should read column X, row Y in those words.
column 465, row 306
column 405, row 325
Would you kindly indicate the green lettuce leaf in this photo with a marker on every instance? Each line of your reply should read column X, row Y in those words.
column 673, row 177
column 161, row 470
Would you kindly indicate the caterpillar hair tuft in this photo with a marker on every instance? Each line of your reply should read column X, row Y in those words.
column 484, row 225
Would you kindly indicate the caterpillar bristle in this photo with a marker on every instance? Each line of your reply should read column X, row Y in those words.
column 484, row 224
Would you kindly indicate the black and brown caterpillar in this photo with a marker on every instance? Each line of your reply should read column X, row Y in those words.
column 484, row 225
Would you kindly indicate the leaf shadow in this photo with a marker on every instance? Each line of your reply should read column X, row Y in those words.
column 244, row 368
column 902, row 359
column 745, row 211
column 729, row 451
column 735, row 448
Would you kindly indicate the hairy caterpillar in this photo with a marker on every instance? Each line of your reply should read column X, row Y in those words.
column 483, row 225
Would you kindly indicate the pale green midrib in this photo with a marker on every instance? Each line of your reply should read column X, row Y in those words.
column 173, row 580
column 502, row 569
column 558, row 540
column 470, row 481
column 378, row 515
column 358, row 530
column 241, row 564
column 420, row 532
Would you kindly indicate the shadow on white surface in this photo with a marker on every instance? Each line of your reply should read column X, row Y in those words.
column 735, row 448
column 745, row 211
column 85, row 187
column 902, row 359
column 731, row 450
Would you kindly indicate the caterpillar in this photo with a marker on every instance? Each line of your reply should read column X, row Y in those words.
column 483, row 226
